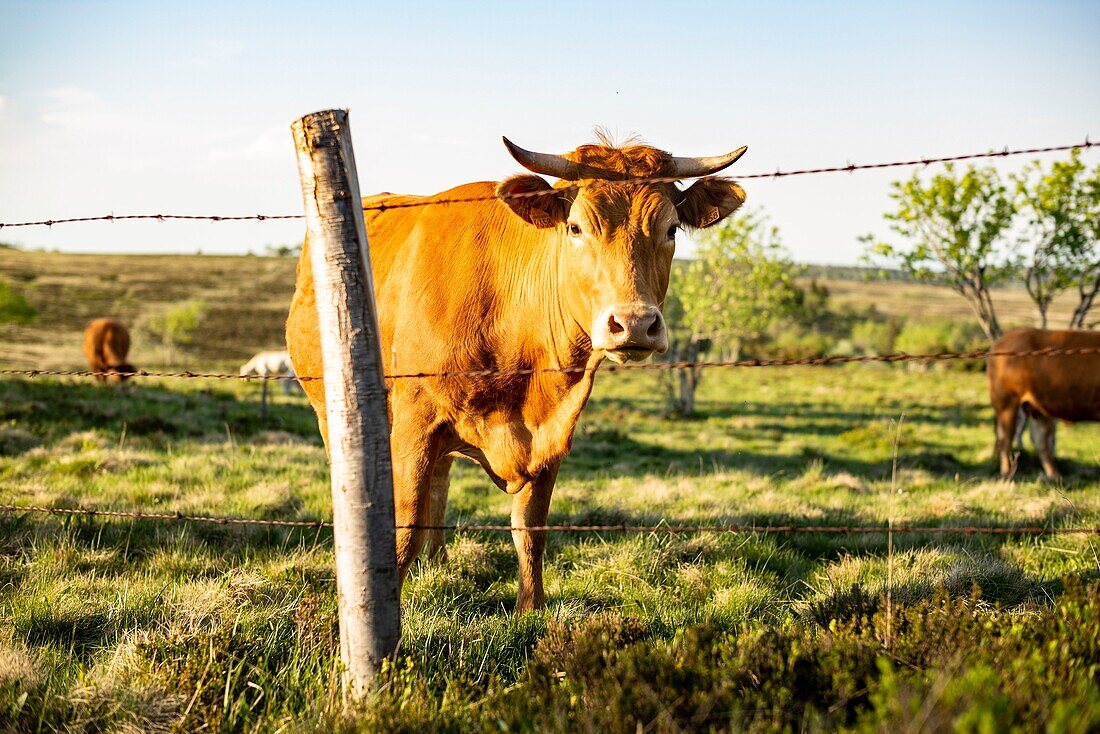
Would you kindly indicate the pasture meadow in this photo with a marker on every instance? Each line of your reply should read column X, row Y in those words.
column 245, row 301
column 115, row 625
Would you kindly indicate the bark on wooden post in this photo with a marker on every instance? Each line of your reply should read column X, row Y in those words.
column 355, row 399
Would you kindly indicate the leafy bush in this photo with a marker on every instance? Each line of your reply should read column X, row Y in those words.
column 940, row 335
column 177, row 325
column 954, row 664
column 14, row 308
column 875, row 337
column 799, row 344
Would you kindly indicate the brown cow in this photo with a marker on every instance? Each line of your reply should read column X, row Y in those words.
column 106, row 344
column 558, row 280
column 1065, row 387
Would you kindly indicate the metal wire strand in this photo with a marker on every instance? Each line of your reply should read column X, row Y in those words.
column 848, row 168
column 793, row 362
column 661, row 528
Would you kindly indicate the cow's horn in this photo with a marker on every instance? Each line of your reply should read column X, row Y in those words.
column 545, row 163
column 692, row 167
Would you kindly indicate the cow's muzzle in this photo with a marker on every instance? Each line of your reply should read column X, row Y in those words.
column 630, row 332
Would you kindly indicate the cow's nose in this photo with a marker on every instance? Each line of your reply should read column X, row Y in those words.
column 633, row 329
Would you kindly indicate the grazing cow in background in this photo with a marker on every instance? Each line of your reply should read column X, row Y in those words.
column 106, row 344
column 1044, row 388
column 271, row 364
column 561, row 278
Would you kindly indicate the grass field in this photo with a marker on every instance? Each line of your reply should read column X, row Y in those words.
column 112, row 625
column 138, row 626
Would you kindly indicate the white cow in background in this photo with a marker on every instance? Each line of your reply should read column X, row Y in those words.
column 270, row 364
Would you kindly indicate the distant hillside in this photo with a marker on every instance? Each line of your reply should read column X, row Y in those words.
column 841, row 272
column 248, row 298
column 853, row 272
column 858, row 273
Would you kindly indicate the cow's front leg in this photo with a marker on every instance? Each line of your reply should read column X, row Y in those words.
column 530, row 508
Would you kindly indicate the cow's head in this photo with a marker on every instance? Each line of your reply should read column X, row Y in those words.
column 618, row 237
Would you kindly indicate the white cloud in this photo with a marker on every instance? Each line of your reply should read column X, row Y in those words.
column 3, row 101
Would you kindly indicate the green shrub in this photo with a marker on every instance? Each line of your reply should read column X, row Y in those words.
column 799, row 344
column 951, row 664
column 14, row 308
column 941, row 335
column 875, row 337
column 177, row 325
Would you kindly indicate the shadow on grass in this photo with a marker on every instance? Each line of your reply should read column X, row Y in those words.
column 483, row 583
column 831, row 545
column 968, row 414
column 80, row 633
column 134, row 543
column 52, row 409
column 960, row 415
column 616, row 453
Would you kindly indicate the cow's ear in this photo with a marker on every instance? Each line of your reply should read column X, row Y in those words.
column 708, row 201
column 534, row 200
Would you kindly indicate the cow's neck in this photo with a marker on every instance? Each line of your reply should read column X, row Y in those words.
column 527, row 422
column 555, row 341
column 536, row 327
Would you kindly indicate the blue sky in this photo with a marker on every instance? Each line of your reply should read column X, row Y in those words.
column 185, row 107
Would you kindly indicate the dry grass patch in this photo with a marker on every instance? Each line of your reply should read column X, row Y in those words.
column 19, row 666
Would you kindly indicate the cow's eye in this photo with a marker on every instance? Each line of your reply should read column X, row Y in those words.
column 575, row 230
column 672, row 231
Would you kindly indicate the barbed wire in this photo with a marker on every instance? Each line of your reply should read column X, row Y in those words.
column 159, row 217
column 740, row 363
column 186, row 374
column 663, row 527
column 428, row 201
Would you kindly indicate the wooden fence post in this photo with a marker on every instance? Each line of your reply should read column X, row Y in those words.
column 355, row 400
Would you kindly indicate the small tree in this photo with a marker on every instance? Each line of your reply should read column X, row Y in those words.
column 739, row 282
column 1062, row 233
column 177, row 325
column 955, row 225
